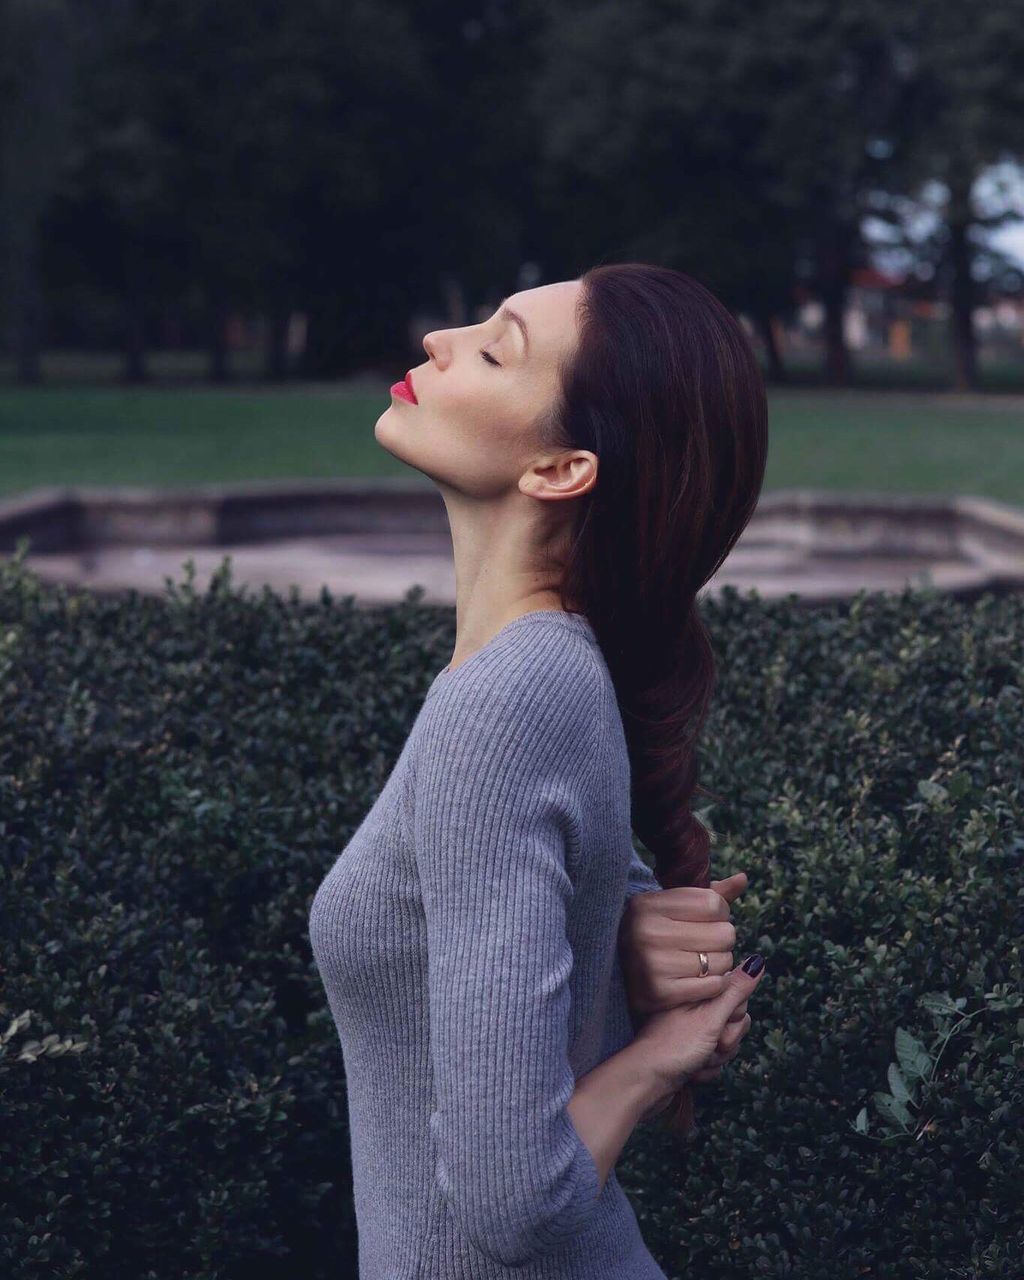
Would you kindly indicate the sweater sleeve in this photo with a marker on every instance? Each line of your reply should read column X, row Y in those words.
column 641, row 878
column 502, row 778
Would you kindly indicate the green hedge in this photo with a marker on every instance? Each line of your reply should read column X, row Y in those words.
column 178, row 773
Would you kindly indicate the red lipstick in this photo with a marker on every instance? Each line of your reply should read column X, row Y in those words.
column 404, row 390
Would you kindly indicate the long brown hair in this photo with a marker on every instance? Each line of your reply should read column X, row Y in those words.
column 665, row 388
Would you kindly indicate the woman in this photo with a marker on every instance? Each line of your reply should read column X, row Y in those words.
column 599, row 446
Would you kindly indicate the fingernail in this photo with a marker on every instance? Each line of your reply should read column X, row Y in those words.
column 753, row 964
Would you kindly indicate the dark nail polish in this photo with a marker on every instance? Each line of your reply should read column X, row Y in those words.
column 753, row 964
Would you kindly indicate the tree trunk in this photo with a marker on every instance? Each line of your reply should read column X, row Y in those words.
column 965, row 346
column 833, row 284
column 217, row 336
column 766, row 326
column 454, row 296
column 324, row 352
column 275, row 352
column 837, row 358
column 135, row 320
column 26, row 311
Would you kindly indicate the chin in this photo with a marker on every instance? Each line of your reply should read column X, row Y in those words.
column 383, row 424
column 387, row 433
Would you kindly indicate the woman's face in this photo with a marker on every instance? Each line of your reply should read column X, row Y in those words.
column 482, row 391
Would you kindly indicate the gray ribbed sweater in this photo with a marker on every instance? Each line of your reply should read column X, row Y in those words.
column 466, row 938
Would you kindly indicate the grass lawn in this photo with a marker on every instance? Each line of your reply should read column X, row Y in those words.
column 906, row 441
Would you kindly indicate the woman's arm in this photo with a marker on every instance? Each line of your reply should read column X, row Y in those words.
column 502, row 777
column 673, row 1048
column 609, row 1102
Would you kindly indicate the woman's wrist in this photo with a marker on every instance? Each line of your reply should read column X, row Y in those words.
column 646, row 1091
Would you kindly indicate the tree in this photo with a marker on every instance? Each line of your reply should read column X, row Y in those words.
column 727, row 138
column 961, row 111
column 36, row 79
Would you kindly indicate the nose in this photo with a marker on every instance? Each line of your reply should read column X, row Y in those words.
column 434, row 346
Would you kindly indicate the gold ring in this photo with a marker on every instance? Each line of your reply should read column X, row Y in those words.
column 704, row 966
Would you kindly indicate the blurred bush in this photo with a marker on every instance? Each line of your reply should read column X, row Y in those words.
column 178, row 773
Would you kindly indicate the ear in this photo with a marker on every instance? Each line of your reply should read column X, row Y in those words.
column 569, row 474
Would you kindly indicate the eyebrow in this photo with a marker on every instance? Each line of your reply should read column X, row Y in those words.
column 506, row 313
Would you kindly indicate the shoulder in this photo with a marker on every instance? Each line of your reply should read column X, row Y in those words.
column 542, row 669
column 530, row 701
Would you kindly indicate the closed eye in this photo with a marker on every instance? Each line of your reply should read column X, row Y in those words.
column 487, row 356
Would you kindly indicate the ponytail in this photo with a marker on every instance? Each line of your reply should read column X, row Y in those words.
column 665, row 389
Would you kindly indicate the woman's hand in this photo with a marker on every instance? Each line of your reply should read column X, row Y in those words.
column 674, row 1047
column 659, row 937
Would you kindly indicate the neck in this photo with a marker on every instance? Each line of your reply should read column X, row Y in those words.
column 506, row 560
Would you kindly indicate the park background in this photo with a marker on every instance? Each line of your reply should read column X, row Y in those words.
column 280, row 200
column 224, row 229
